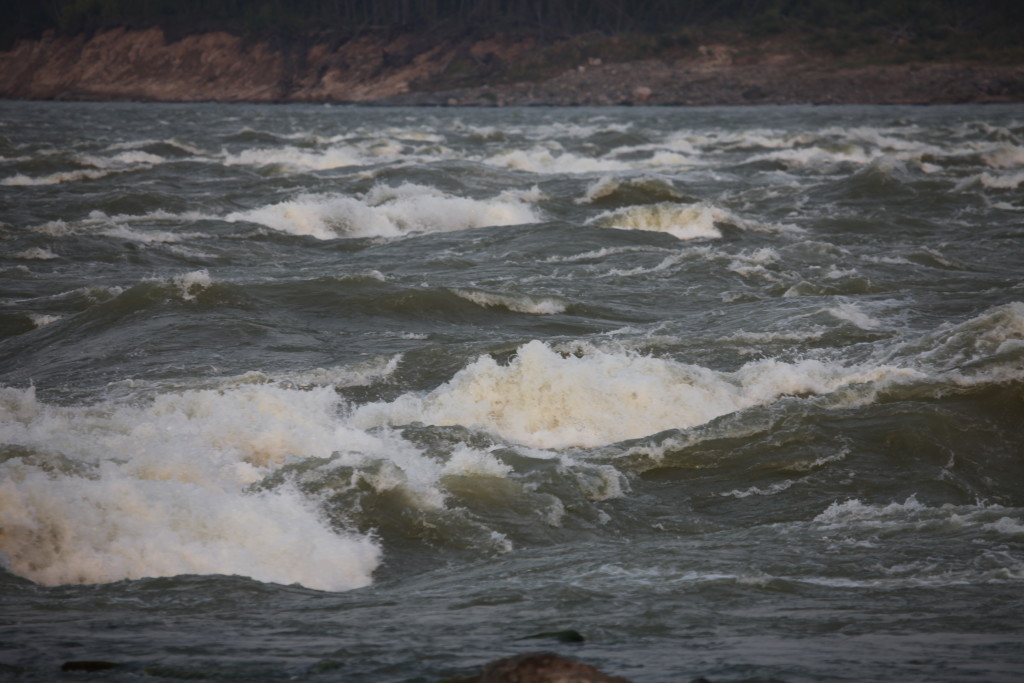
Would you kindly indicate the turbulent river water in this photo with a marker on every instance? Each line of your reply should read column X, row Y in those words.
column 354, row 394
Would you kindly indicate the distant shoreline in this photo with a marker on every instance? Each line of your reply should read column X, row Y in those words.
column 143, row 65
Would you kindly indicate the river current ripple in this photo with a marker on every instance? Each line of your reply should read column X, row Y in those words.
column 342, row 393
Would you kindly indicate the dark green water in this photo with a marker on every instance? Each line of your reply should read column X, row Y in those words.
column 353, row 394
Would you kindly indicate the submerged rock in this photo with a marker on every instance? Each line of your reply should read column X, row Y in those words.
column 89, row 665
column 566, row 636
column 543, row 667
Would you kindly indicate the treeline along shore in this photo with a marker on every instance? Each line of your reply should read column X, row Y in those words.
column 515, row 52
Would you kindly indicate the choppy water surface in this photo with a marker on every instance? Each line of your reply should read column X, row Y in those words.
column 374, row 395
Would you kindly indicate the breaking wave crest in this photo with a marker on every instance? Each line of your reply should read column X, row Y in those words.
column 387, row 212
column 547, row 399
column 682, row 221
column 111, row 492
column 518, row 303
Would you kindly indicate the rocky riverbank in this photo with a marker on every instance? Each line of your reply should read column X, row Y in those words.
column 122, row 64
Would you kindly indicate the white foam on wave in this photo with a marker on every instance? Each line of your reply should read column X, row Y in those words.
column 544, row 160
column 42, row 320
column 518, row 303
column 22, row 180
column 121, row 491
column 912, row 514
column 66, row 530
column 99, row 167
column 388, row 212
column 757, row 340
column 552, row 130
column 57, row 228
column 411, row 134
column 362, row 276
column 603, row 253
column 136, row 157
column 192, row 283
column 1007, row 525
column 685, row 221
column 831, row 144
column 360, row 374
column 92, row 294
column 818, row 157
column 897, row 162
column 671, row 159
column 997, row 331
column 854, row 524
column 686, row 145
column 854, row 511
column 295, row 158
column 545, row 399
column 466, row 461
column 682, row 221
column 753, row 263
column 124, row 232
column 1004, row 156
column 852, row 313
column 600, row 188
column 771, row 490
column 132, row 488
column 36, row 254
column 127, row 227
column 1007, row 181
column 667, row 263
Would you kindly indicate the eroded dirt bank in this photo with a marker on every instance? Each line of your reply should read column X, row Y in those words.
column 217, row 66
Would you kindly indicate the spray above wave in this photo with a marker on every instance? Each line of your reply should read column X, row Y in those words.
column 545, row 399
column 388, row 212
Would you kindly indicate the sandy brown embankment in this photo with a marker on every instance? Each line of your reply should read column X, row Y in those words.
column 122, row 64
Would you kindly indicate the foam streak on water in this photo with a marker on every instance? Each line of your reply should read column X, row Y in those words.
column 330, row 393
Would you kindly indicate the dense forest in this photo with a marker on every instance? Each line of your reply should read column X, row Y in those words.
column 994, row 23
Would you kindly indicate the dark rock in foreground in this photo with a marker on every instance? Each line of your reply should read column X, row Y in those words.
column 88, row 665
column 543, row 667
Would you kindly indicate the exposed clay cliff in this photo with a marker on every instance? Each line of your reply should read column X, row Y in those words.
column 218, row 66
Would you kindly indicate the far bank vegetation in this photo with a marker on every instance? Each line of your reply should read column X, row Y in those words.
column 888, row 30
